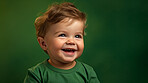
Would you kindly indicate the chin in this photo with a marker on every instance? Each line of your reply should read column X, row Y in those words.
column 68, row 60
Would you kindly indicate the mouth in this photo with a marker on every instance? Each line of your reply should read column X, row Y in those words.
column 69, row 50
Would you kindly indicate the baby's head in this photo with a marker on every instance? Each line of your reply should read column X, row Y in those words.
column 55, row 14
column 60, row 32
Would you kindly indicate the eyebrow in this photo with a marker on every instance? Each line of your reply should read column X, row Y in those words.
column 66, row 32
column 59, row 32
column 80, row 32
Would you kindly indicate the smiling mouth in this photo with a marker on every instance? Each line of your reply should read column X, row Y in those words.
column 68, row 50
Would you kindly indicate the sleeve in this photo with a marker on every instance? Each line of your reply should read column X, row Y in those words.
column 93, row 77
column 31, row 77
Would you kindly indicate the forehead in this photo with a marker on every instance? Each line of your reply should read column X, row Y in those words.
column 68, row 24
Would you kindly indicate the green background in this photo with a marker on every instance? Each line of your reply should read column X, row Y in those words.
column 116, row 43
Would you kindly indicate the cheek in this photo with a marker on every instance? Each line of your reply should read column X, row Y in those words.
column 81, row 45
column 55, row 44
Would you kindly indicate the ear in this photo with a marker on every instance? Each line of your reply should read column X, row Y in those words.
column 42, row 43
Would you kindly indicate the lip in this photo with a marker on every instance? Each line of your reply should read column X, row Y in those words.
column 69, row 53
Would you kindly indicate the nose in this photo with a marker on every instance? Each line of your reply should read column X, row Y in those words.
column 70, row 41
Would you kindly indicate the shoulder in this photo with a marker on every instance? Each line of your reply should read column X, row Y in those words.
column 88, row 69
column 34, row 74
column 86, row 66
column 38, row 69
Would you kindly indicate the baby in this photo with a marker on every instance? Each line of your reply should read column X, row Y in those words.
column 60, row 32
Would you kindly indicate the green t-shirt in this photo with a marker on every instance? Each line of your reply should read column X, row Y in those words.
column 46, row 73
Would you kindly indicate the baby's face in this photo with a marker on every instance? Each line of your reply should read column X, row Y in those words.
column 64, row 41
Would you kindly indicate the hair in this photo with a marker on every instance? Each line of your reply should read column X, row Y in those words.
column 55, row 14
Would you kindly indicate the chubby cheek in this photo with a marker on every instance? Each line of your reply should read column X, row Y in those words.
column 56, row 44
column 81, row 47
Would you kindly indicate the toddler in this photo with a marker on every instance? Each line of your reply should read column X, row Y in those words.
column 60, row 32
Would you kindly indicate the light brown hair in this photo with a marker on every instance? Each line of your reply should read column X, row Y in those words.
column 56, row 13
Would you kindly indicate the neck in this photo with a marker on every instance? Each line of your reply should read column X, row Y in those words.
column 61, row 65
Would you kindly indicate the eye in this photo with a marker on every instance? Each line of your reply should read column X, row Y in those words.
column 62, row 35
column 78, row 36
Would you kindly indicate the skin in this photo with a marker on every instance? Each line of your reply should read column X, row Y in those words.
column 67, row 34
